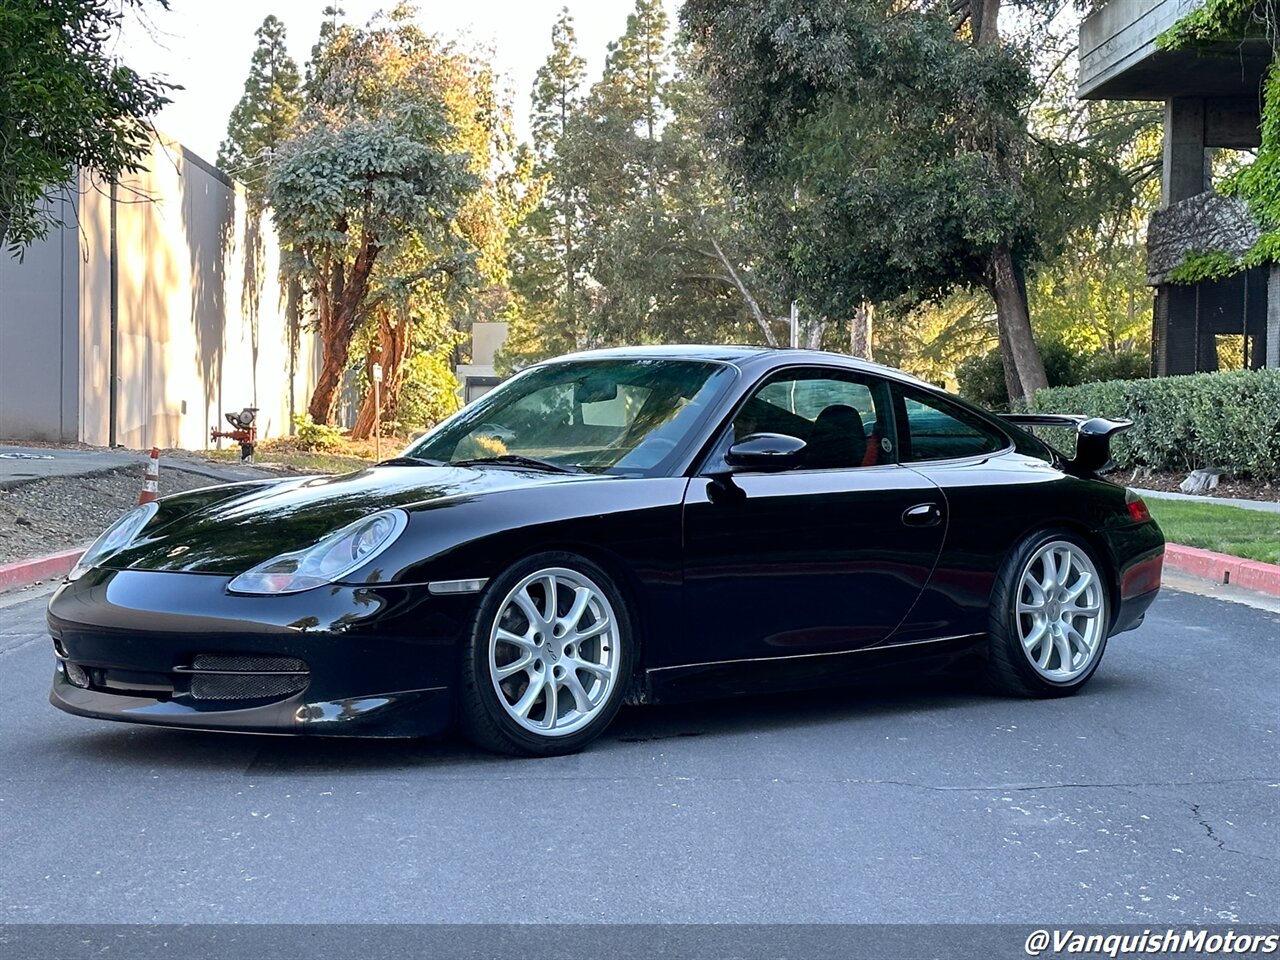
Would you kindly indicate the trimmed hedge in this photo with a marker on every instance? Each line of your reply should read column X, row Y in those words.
column 1227, row 420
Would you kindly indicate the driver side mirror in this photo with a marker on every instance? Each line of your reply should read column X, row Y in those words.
column 766, row 451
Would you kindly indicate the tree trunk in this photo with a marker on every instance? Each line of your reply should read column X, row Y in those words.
column 340, row 299
column 324, row 399
column 393, row 349
column 812, row 332
column 860, row 331
column 1012, row 383
column 1023, row 367
column 752, row 303
column 293, row 317
column 984, row 16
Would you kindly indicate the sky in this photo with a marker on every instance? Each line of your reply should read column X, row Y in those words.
column 205, row 46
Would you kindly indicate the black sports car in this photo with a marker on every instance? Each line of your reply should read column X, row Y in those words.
column 644, row 524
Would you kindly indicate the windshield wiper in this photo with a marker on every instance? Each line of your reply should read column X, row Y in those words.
column 518, row 460
column 409, row 462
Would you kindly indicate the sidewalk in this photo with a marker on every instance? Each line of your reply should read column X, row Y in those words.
column 19, row 465
column 1267, row 506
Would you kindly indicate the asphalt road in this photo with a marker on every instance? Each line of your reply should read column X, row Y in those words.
column 1153, row 797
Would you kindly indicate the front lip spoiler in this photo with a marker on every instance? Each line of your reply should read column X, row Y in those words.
column 403, row 713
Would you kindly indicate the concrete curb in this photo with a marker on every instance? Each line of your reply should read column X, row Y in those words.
column 1222, row 568
column 23, row 573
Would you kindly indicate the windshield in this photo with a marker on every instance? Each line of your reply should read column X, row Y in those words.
column 603, row 416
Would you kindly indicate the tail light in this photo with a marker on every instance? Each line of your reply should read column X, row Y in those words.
column 1137, row 507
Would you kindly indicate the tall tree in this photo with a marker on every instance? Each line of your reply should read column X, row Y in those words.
column 557, row 88
column 66, row 102
column 546, row 252
column 634, row 76
column 428, row 326
column 1004, row 274
column 267, row 112
column 677, row 261
column 660, row 250
column 885, row 157
column 365, row 195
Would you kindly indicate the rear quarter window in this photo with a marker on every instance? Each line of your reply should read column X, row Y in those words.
column 932, row 428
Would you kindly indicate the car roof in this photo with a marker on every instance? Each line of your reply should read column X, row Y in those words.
column 729, row 353
column 748, row 357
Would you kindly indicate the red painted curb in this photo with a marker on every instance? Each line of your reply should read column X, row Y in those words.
column 23, row 573
column 1221, row 568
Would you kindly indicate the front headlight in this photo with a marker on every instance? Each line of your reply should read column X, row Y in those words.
column 328, row 561
column 115, row 538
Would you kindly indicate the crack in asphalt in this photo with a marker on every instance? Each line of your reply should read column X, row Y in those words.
column 1221, row 844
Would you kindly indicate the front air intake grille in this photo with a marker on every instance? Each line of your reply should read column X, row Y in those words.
column 244, row 677
column 218, row 661
column 224, row 686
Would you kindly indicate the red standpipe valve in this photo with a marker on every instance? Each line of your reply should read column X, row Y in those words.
column 244, row 433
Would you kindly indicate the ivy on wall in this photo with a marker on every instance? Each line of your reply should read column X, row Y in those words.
column 1258, row 183
column 1205, row 265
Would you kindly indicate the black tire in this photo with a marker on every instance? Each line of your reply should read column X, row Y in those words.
column 486, row 721
column 1009, row 668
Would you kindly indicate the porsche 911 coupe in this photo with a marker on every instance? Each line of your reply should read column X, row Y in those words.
column 637, row 525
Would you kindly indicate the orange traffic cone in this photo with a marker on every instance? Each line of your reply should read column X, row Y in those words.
column 151, row 482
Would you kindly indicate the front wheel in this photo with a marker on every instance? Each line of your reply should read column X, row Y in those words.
column 1049, row 617
column 548, row 659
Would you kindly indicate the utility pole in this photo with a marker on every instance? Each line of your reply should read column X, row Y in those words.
column 795, row 324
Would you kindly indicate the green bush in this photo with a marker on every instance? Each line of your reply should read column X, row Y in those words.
column 1227, row 420
column 316, row 437
column 429, row 392
column 981, row 378
column 1123, row 365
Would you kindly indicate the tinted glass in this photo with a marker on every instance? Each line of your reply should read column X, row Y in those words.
column 617, row 416
column 839, row 416
column 938, row 430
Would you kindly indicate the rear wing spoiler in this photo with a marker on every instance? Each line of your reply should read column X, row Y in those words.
column 1093, row 436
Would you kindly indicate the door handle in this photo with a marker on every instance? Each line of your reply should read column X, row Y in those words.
column 922, row 515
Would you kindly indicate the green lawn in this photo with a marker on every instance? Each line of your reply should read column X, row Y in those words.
column 299, row 460
column 1251, row 534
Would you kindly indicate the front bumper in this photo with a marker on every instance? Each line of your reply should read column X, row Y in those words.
column 174, row 649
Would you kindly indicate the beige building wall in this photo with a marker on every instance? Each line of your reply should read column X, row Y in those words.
column 479, row 376
column 39, row 327
column 202, row 316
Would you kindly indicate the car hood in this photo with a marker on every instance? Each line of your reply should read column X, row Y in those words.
column 229, row 529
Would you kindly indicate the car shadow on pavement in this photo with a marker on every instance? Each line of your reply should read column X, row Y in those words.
column 849, row 706
column 147, row 747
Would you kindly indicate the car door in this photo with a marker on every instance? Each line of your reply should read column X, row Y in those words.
column 826, row 557
column 989, row 488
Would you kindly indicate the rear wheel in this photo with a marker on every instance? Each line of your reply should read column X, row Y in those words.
column 1049, row 617
column 549, row 657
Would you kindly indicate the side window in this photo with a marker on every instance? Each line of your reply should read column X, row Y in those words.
column 842, row 417
column 931, row 428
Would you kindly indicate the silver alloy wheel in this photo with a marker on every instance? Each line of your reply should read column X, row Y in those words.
column 1061, row 611
column 554, row 651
